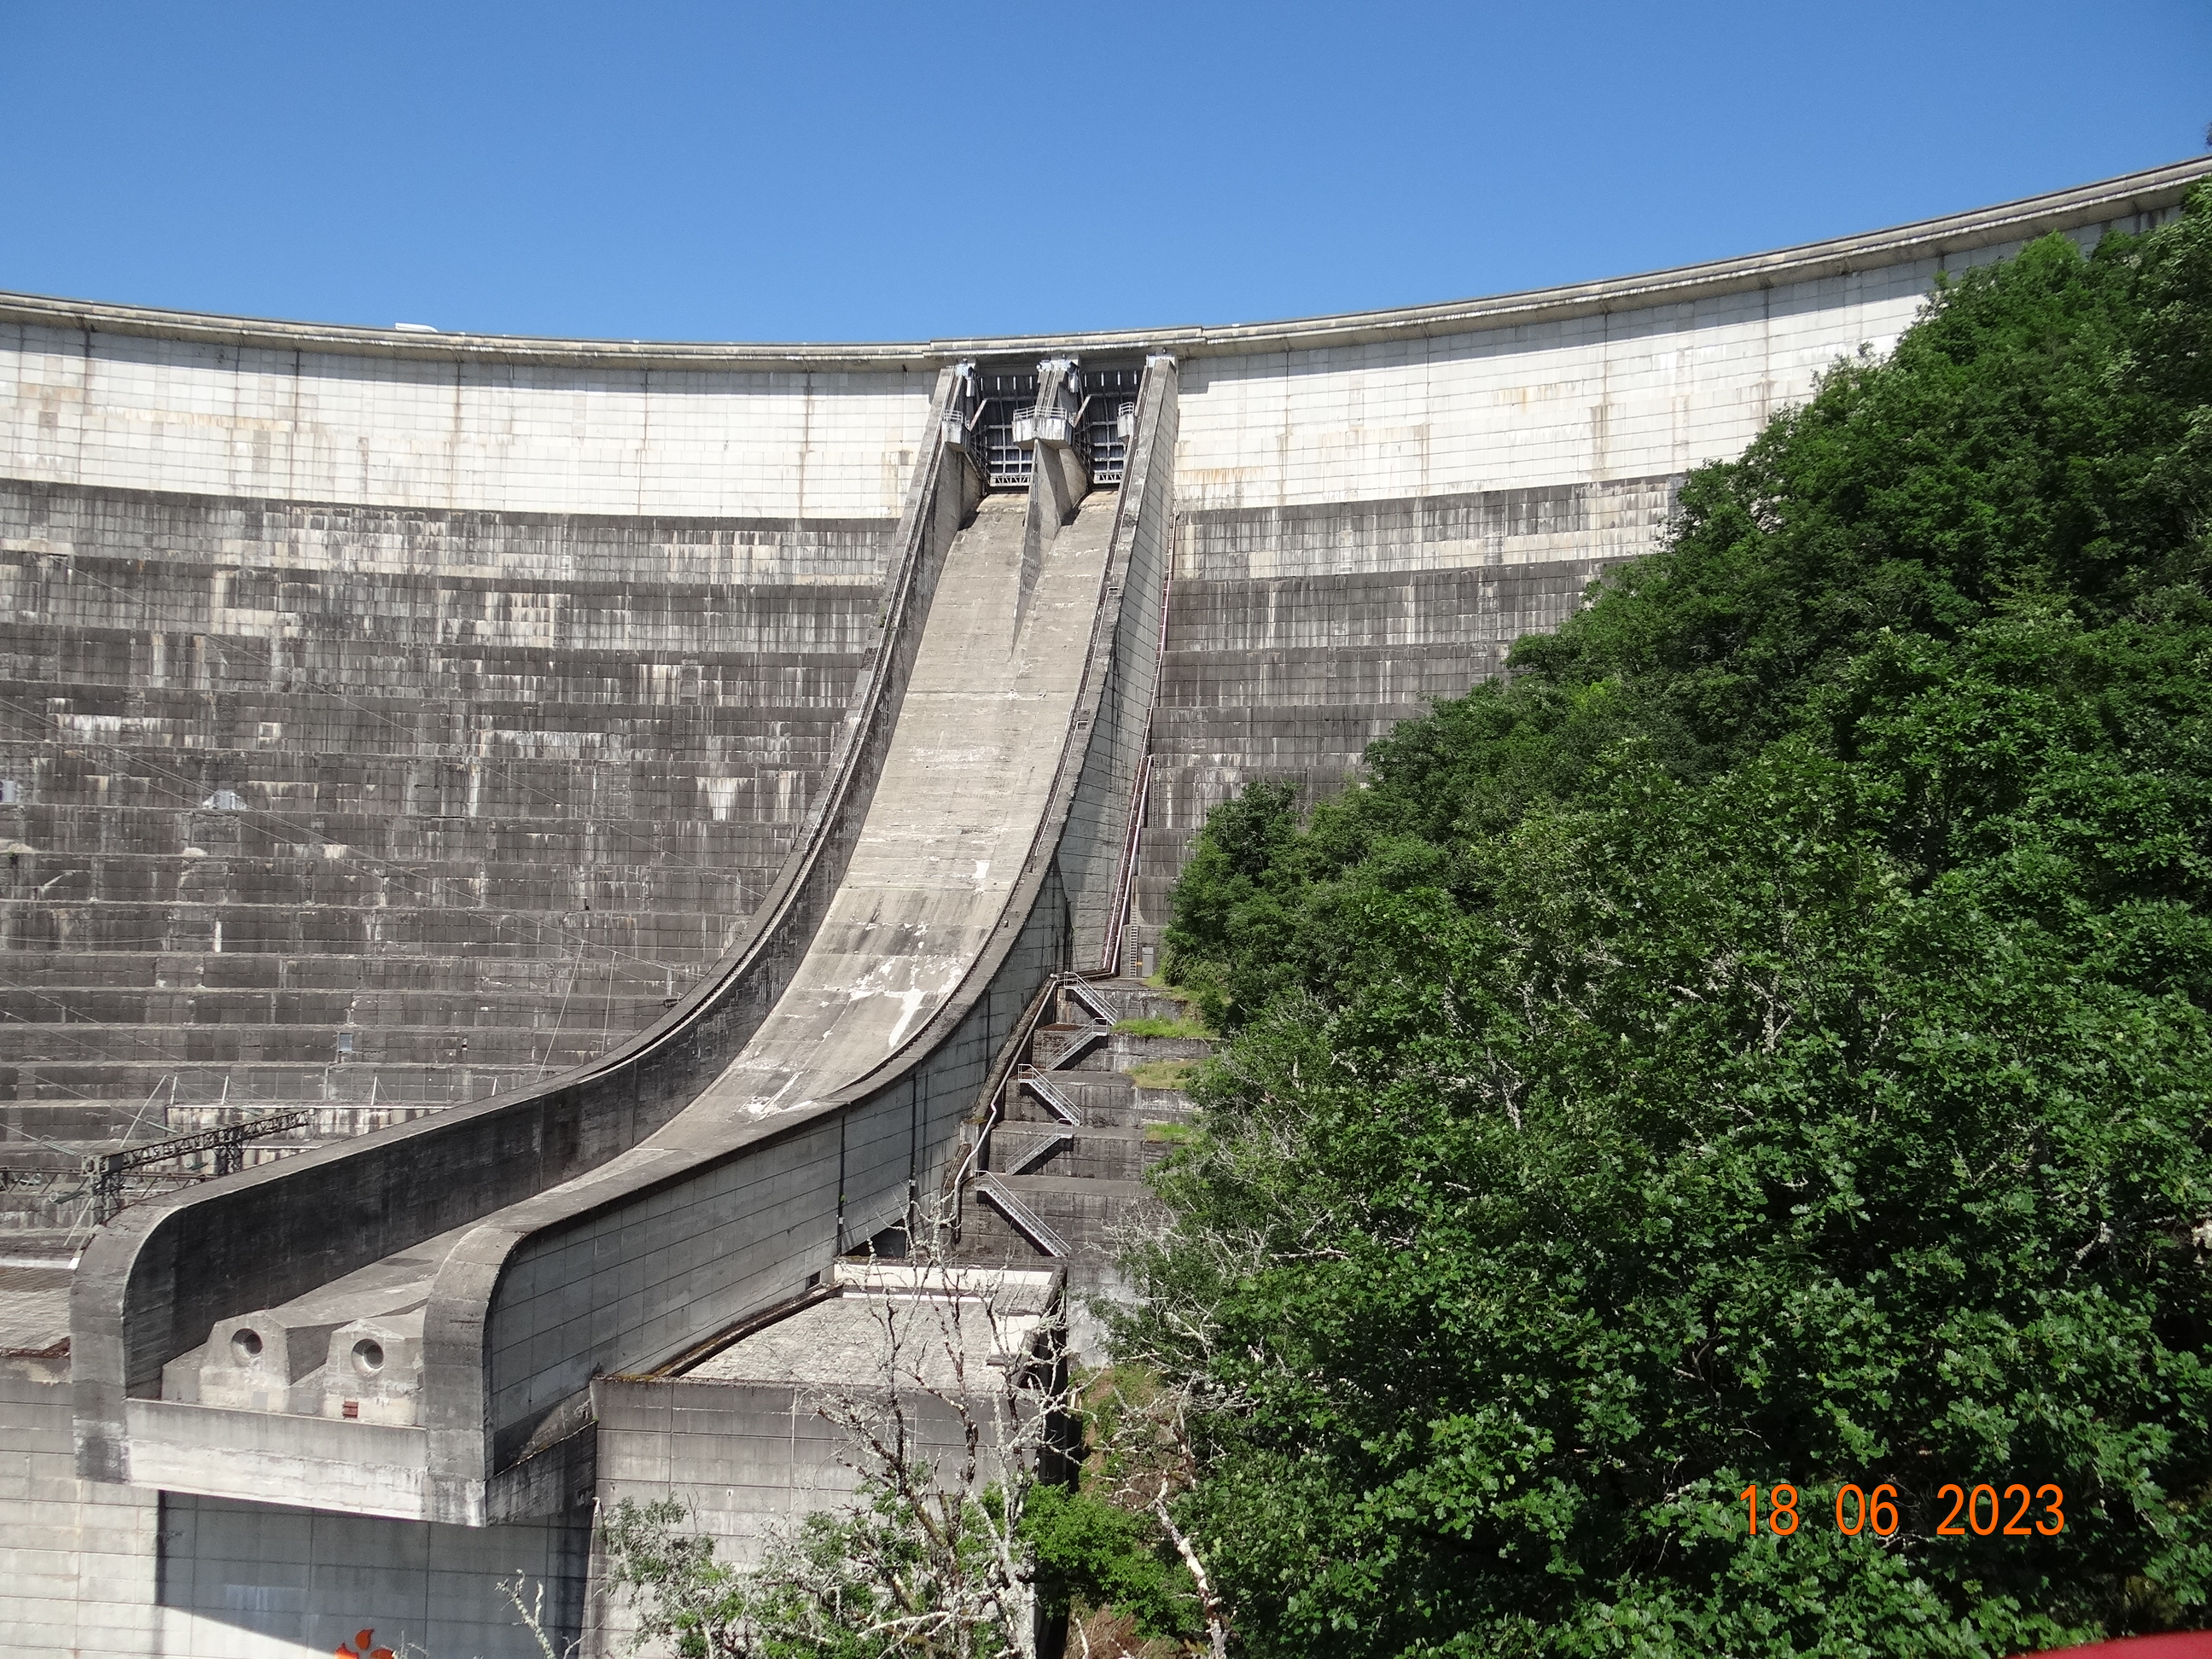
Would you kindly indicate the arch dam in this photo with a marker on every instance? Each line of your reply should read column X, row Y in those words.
column 577, row 835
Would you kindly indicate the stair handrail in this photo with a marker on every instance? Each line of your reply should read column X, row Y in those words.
column 1049, row 1146
column 1023, row 1219
column 1079, row 988
column 992, row 1099
column 1058, row 1104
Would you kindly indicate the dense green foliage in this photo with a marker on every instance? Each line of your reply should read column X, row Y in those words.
column 903, row 1572
column 1089, row 1552
column 1763, row 1040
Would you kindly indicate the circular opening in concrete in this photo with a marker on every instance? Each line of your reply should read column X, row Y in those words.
column 368, row 1356
column 245, row 1344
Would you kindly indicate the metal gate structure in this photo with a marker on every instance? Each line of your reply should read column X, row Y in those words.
column 999, row 421
column 1106, row 420
column 1003, row 398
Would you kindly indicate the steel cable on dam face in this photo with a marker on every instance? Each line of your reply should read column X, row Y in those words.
column 270, row 814
column 489, row 763
column 576, row 947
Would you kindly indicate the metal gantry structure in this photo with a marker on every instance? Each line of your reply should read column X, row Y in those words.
column 1003, row 414
column 104, row 1171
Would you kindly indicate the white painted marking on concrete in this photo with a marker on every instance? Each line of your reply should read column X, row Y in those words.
column 909, row 1005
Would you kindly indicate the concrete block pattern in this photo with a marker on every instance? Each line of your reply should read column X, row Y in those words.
column 77, row 1558
column 350, row 805
column 108, row 409
column 247, row 1581
column 1289, row 677
column 1537, row 525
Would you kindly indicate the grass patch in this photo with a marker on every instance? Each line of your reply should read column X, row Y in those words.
column 1164, row 1073
column 1174, row 1135
column 1153, row 1026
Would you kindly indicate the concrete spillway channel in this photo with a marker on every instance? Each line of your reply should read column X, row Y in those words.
column 407, row 1325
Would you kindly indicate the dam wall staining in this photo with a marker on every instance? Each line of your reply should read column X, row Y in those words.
column 350, row 805
column 1366, row 527
column 378, row 735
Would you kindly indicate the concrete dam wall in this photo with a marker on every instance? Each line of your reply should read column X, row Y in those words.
column 387, row 720
column 635, row 799
column 382, row 810
column 381, row 735
column 1371, row 509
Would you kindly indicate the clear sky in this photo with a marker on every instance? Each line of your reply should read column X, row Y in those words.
column 900, row 171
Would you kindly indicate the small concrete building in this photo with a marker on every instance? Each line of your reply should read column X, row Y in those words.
column 750, row 1436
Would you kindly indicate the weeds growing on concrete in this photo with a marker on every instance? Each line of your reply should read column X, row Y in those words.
column 1163, row 1074
column 1154, row 1025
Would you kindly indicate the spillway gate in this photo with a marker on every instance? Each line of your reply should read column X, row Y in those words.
column 1005, row 415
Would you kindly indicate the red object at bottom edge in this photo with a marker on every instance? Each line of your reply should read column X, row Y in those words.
column 2174, row 1644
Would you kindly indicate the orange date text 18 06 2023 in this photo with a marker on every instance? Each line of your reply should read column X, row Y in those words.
column 1959, row 1511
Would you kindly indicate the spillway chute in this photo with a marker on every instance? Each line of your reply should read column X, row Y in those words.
column 804, row 1098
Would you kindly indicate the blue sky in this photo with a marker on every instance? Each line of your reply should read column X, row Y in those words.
column 903, row 172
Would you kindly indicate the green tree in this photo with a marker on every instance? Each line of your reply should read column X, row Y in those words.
column 890, row 1574
column 950, row 1559
column 1092, row 1553
column 1764, row 1040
